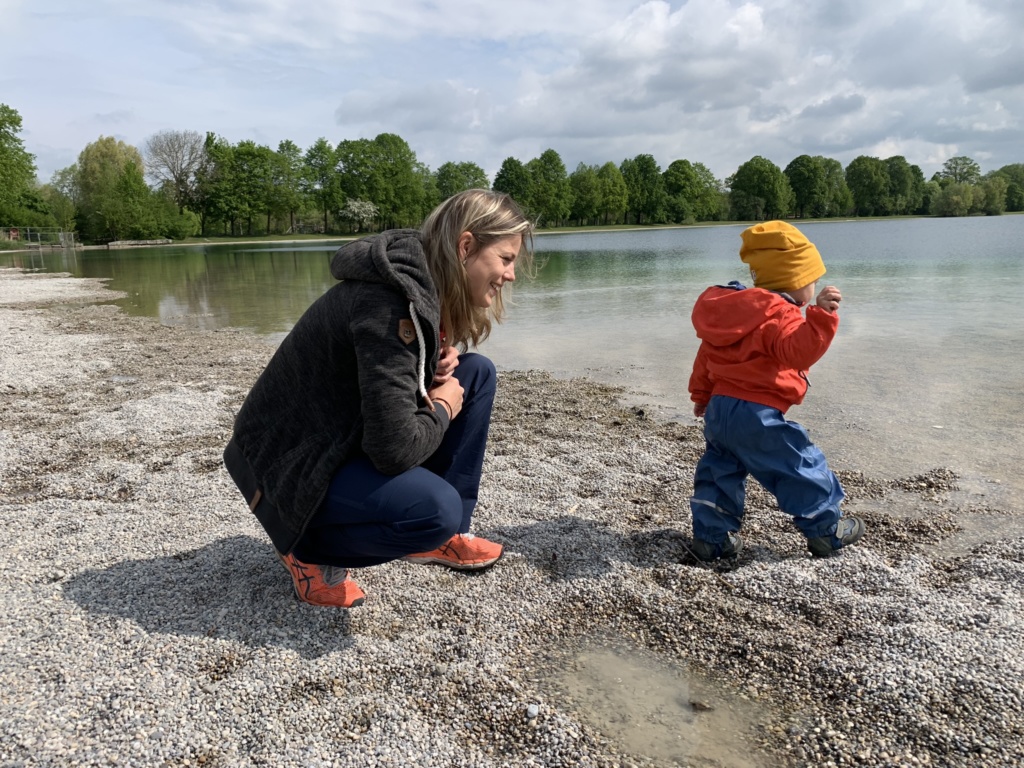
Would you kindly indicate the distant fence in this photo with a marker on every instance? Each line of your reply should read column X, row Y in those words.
column 38, row 237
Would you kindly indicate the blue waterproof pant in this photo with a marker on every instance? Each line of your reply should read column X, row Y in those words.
column 368, row 518
column 746, row 438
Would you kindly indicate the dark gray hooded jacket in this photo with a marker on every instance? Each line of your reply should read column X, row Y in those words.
column 349, row 379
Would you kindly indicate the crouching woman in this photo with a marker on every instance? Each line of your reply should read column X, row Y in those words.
column 363, row 439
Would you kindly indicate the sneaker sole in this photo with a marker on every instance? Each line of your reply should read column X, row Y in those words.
column 454, row 566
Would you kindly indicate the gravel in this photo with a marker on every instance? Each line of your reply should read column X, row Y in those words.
column 146, row 621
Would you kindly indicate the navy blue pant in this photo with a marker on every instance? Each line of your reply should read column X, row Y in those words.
column 746, row 438
column 368, row 518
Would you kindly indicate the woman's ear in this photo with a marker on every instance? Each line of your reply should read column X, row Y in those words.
column 465, row 245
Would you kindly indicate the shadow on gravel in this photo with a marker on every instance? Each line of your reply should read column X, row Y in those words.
column 575, row 548
column 232, row 588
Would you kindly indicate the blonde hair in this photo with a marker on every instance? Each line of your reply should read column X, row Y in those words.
column 488, row 216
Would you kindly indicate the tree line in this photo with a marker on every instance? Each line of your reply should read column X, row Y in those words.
column 183, row 183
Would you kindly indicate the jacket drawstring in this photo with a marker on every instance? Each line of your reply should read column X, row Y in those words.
column 423, row 356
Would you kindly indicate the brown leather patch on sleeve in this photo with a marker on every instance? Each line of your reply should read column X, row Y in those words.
column 406, row 331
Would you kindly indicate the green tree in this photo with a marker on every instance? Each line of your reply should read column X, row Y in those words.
column 129, row 214
column 586, row 193
column 452, row 178
column 399, row 189
column 899, row 198
column 514, row 180
column 320, row 182
column 215, row 197
column 614, row 197
column 692, row 192
column 17, row 167
column 806, row 176
column 287, row 180
column 253, row 178
column 550, row 195
column 961, row 170
column 1014, row 175
column 869, row 184
column 837, row 199
column 957, row 199
column 993, row 194
column 645, row 186
column 99, row 183
column 60, row 196
column 759, row 190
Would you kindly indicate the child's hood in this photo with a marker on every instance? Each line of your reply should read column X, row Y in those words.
column 724, row 315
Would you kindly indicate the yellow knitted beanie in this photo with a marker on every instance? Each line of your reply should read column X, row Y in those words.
column 780, row 257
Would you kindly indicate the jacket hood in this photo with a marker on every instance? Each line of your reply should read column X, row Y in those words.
column 394, row 258
column 723, row 315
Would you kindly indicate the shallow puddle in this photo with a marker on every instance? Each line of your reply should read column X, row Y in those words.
column 659, row 711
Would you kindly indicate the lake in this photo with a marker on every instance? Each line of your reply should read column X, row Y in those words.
column 926, row 370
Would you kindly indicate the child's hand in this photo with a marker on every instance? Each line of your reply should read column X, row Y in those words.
column 829, row 298
column 698, row 409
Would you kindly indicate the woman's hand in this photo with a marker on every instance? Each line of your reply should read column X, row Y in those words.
column 829, row 298
column 446, row 364
column 448, row 394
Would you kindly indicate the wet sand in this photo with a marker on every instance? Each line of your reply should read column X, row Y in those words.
column 147, row 622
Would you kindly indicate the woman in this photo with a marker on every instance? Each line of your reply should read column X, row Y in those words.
column 363, row 439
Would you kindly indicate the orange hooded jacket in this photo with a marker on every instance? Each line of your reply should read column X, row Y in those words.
column 756, row 345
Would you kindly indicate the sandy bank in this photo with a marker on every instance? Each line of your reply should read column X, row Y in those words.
column 146, row 622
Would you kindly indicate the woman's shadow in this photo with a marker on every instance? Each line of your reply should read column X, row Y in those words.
column 232, row 588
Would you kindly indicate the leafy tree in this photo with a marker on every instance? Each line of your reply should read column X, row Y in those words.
column 961, row 170
column 253, row 178
column 930, row 192
column 129, row 214
column 1014, row 197
column 60, row 195
column 398, row 193
column 613, row 195
column 869, row 183
column 99, row 183
column 215, row 197
column 319, row 180
column 173, row 158
column 692, row 192
column 550, row 195
column 17, row 167
column 586, row 193
column 759, row 189
column 899, row 197
column 645, row 186
column 452, row 178
column 993, row 194
column 806, row 176
column 287, row 180
column 514, row 180
column 957, row 199
column 837, row 199
column 431, row 194
column 1014, row 175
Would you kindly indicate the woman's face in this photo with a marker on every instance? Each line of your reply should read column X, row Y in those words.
column 490, row 266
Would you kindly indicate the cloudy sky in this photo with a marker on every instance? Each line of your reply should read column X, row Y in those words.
column 711, row 81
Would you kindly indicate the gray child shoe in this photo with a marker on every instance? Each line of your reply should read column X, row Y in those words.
column 706, row 551
column 848, row 531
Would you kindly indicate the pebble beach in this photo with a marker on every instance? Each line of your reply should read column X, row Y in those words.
column 147, row 622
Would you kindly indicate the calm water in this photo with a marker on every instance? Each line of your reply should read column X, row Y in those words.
column 926, row 370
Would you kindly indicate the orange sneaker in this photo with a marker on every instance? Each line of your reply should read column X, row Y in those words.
column 325, row 585
column 463, row 552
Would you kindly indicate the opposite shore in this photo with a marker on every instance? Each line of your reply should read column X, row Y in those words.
column 147, row 622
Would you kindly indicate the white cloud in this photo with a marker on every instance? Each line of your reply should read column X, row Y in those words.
column 714, row 81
